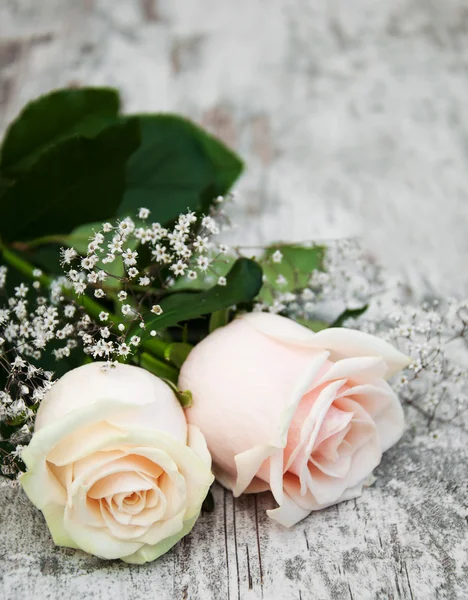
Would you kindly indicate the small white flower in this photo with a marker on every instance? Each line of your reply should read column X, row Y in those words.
column 132, row 272
column 101, row 275
column 183, row 227
column 152, row 333
column 179, row 267
column 123, row 349
column 181, row 249
column 69, row 310
column 126, row 309
column 160, row 254
column 190, row 217
column 92, row 247
column 107, row 227
column 105, row 333
column 108, row 259
column 121, row 327
column 144, row 281
column 68, row 255
column 21, row 290
column 135, row 340
column 127, row 225
column 203, row 263
column 130, row 257
column 277, row 257
column 37, row 273
column 156, row 309
column 99, row 293
column 201, row 243
column 222, row 281
column 192, row 275
column 143, row 213
column 223, row 249
column 122, row 295
column 115, row 247
column 103, row 316
column 89, row 262
column 210, row 224
column 79, row 287
column 281, row 280
column 18, row 363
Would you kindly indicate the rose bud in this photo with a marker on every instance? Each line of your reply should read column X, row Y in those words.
column 305, row 415
column 113, row 466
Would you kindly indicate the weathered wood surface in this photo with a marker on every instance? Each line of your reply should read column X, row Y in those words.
column 352, row 116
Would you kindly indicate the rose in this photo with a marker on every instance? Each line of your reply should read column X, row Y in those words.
column 109, row 464
column 306, row 415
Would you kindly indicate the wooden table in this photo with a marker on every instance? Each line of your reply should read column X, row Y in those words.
column 352, row 117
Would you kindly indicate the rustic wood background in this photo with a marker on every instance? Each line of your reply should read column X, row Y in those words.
column 352, row 117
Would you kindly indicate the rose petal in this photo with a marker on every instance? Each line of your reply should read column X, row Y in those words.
column 149, row 553
column 127, row 532
column 381, row 402
column 342, row 342
column 358, row 369
column 138, row 398
column 97, row 541
column 122, row 481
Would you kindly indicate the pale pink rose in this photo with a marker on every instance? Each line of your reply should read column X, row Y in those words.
column 305, row 415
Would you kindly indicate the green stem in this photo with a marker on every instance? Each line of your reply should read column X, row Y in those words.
column 158, row 367
column 157, row 347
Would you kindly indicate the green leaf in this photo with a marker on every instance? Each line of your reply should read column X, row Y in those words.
column 177, row 353
column 177, row 167
column 296, row 268
column 243, row 283
column 54, row 117
column 315, row 325
column 77, row 181
column 349, row 313
column 219, row 319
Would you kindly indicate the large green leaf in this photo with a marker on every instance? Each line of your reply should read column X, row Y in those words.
column 54, row 117
column 244, row 281
column 177, row 167
column 74, row 182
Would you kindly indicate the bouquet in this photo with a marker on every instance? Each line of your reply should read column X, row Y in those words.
column 142, row 357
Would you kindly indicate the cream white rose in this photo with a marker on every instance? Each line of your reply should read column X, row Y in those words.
column 305, row 415
column 113, row 466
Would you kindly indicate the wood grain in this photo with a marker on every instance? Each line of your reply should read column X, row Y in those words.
column 352, row 117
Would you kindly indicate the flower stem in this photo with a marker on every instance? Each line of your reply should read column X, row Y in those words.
column 158, row 367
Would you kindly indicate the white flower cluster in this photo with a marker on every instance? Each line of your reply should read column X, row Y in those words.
column 131, row 264
column 30, row 323
column 348, row 280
